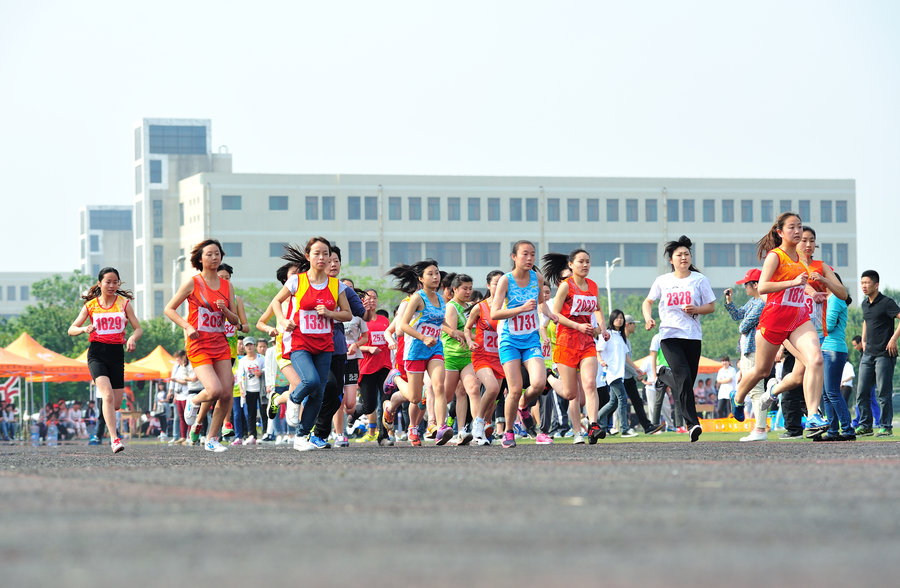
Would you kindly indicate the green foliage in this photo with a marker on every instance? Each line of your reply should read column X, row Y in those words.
column 157, row 331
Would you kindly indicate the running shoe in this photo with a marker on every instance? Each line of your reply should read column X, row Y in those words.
column 578, row 439
column 681, row 430
column 848, row 437
column 464, row 438
column 489, row 430
column 195, row 435
column 190, row 412
column 267, row 439
column 696, row 431
column 302, row 443
column 478, row 428
column 117, row 445
column 483, row 440
column 629, row 433
column 737, row 411
column 543, row 439
column 271, row 407
column 788, row 436
column 227, row 429
column 389, row 384
column 654, row 429
column 237, row 441
column 251, row 440
column 212, row 444
column 431, row 431
column 509, row 441
column 864, row 431
column 319, row 443
column 520, row 430
column 369, row 437
column 442, row 435
column 95, row 440
column 827, row 437
column 292, row 414
column 387, row 417
column 595, row 433
column 341, row 441
column 815, row 426
column 413, row 436
column 386, row 442
column 885, row 432
column 756, row 435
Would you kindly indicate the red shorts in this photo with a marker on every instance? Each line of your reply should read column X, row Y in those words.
column 570, row 357
column 417, row 366
column 494, row 367
column 207, row 355
column 776, row 336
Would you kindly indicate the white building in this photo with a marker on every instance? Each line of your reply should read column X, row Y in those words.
column 15, row 291
column 107, row 240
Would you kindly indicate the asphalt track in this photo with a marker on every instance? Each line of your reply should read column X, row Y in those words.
column 626, row 514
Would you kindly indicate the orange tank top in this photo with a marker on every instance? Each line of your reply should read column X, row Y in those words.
column 578, row 307
column 203, row 312
column 486, row 330
column 109, row 323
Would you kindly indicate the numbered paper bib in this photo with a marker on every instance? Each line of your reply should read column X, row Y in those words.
column 209, row 321
column 376, row 338
column 678, row 298
column 230, row 329
column 109, row 323
column 795, row 296
column 523, row 324
column 583, row 305
column 312, row 323
column 490, row 341
column 429, row 330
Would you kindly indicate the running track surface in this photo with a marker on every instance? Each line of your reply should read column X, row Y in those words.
column 629, row 514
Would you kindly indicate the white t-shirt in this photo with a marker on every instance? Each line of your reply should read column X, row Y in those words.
column 848, row 373
column 353, row 330
column 614, row 356
column 673, row 294
column 600, row 345
column 730, row 374
column 251, row 371
column 179, row 390
column 648, row 369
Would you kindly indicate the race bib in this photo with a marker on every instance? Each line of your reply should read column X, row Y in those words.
column 311, row 322
column 678, row 298
column 209, row 321
column 583, row 305
column 795, row 296
column 490, row 341
column 376, row 338
column 230, row 329
column 523, row 324
column 109, row 323
column 815, row 310
column 429, row 330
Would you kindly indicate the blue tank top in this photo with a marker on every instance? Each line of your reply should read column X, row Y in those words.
column 520, row 331
column 428, row 322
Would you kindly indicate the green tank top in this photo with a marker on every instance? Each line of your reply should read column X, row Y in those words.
column 452, row 347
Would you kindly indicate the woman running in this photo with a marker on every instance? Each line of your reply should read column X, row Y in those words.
column 577, row 300
column 375, row 363
column 210, row 303
column 316, row 303
column 106, row 305
column 785, row 318
column 515, row 305
column 458, row 356
column 684, row 294
column 485, row 361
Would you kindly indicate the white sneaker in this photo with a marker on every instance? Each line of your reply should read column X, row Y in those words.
column 292, row 414
column 767, row 400
column 251, row 440
column 578, row 440
column 163, row 437
column 237, row 441
column 629, row 433
column 190, row 412
column 302, row 443
column 756, row 435
column 279, row 440
column 214, row 446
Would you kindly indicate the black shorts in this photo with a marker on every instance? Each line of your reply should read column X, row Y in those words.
column 106, row 359
column 351, row 372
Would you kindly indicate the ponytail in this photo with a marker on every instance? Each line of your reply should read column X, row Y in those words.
column 407, row 276
column 295, row 256
column 556, row 264
column 95, row 291
column 771, row 240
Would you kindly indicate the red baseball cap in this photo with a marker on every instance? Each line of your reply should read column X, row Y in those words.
column 752, row 275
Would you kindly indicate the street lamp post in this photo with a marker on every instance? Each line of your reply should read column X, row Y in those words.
column 610, row 266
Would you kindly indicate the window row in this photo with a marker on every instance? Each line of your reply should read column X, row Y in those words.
column 744, row 254
column 23, row 293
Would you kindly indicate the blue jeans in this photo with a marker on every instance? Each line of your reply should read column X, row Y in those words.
column 237, row 418
column 313, row 371
column 880, row 372
column 618, row 400
column 280, row 427
column 835, row 406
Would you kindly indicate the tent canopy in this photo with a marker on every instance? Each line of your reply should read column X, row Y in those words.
column 56, row 367
column 16, row 365
column 158, row 360
column 132, row 372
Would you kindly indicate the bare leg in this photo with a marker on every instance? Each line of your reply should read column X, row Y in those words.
column 806, row 341
column 765, row 358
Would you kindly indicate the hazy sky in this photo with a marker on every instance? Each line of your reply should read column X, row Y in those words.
column 779, row 89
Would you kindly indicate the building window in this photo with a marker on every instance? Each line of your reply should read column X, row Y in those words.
column 843, row 255
column 371, row 203
column 24, row 292
column 746, row 211
column 553, row 209
column 650, row 210
column 155, row 171
column 826, row 211
column 81, row 216
column 719, row 255
column 767, row 211
column 138, row 220
column 354, row 253
column 483, row 254
column 395, row 203
column 531, row 210
column 803, row 210
column 138, row 179
column 231, row 202
column 233, row 249
column 563, row 247
column 354, row 206
column 178, row 139
column 602, row 252
column 728, row 210
column 515, row 209
column 415, row 208
column 95, row 243
column 82, row 249
column 434, row 209
column 672, row 210
column 110, row 220
column 493, row 209
column 371, row 253
column 453, row 209
column 11, row 293
column 181, row 214
column 573, row 209
column 281, row 202
column 840, row 211
column 402, row 252
column 687, row 210
column 827, row 253
column 312, row 208
column 157, row 264
column 709, row 211
column 157, row 218
column 276, row 249
column 474, row 209
column 640, row 254
column 747, row 253
column 137, row 144
column 446, row 254
column 139, row 265
column 159, row 302
column 785, row 205
column 327, row 207
column 612, row 210
column 593, row 210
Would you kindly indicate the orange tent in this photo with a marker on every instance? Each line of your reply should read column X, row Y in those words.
column 132, row 372
column 158, row 360
column 707, row 365
column 57, row 367
column 16, row 365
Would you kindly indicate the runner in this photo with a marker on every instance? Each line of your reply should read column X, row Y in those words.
column 375, row 363
column 458, row 357
column 785, row 317
column 576, row 301
column 210, row 303
column 683, row 295
column 515, row 305
column 485, row 361
column 106, row 305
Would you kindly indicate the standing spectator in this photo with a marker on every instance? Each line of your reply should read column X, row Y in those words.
column 250, row 376
column 879, row 346
column 727, row 381
column 749, row 316
column 163, row 397
column 834, row 352
column 178, row 387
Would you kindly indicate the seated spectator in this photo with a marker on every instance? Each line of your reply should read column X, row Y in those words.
column 90, row 417
column 76, row 421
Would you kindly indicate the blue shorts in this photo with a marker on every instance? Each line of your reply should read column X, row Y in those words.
column 509, row 352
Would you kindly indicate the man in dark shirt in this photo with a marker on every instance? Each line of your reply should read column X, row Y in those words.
column 879, row 345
